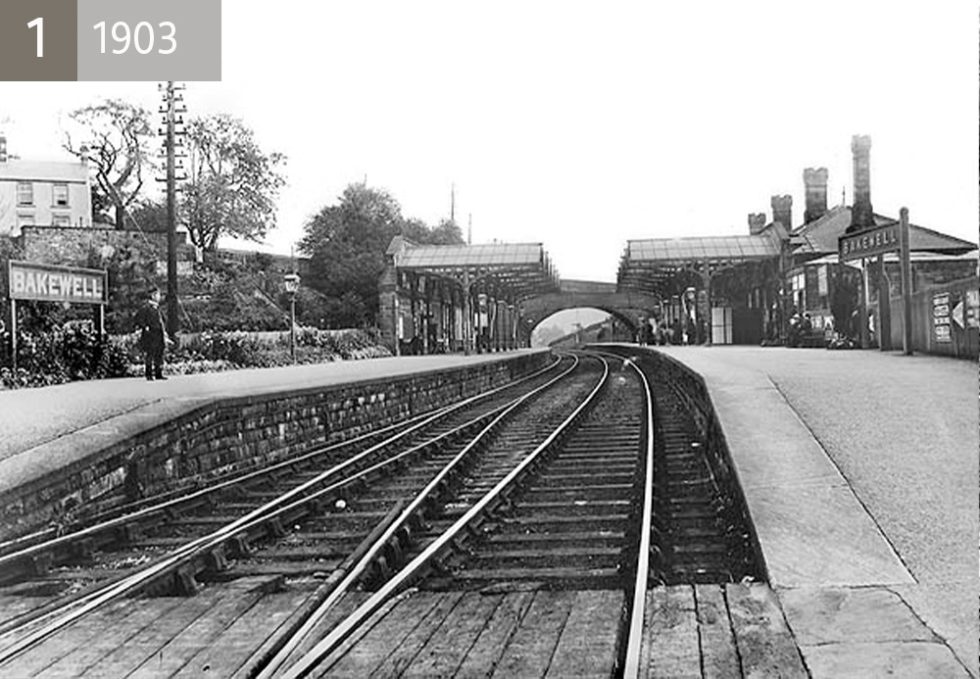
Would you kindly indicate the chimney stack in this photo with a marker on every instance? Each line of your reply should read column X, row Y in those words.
column 815, row 180
column 782, row 210
column 3, row 149
column 862, row 215
column 757, row 222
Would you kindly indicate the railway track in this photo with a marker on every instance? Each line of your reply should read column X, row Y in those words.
column 562, row 490
column 570, row 523
column 354, row 504
column 196, row 535
column 614, row 503
column 566, row 515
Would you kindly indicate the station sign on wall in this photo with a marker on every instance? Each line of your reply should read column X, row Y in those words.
column 869, row 243
column 49, row 283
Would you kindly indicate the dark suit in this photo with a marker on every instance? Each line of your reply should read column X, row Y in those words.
column 150, row 324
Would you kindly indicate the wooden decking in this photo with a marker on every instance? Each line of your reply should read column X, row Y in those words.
column 718, row 631
column 516, row 634
column 703, row 631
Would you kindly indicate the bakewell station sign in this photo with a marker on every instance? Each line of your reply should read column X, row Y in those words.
column 870, row 243
column 47, row 283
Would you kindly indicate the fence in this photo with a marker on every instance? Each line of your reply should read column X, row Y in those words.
column 945, row 319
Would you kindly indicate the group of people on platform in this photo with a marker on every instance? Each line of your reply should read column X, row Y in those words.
column 655, row 331
column 800, row 328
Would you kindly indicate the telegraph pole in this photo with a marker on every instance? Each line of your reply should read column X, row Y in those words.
column 172, row 319
column 170, row 110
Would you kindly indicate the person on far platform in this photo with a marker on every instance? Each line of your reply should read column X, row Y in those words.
column 153, row 338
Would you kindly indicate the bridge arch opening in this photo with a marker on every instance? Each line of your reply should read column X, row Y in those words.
column 580, row 325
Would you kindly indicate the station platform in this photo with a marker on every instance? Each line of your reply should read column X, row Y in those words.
column 860, row 472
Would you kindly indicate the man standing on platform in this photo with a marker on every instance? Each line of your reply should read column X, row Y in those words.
column 152, row 336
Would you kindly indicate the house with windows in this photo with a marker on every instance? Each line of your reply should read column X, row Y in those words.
column 42, row 193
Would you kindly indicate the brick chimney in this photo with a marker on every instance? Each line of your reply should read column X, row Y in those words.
column 862, row 215
column 757, row 222
column 3, row 149
column 815, row 180
column 782, row 210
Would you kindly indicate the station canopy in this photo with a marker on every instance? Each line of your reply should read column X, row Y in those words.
column 648, row 264
column 521, row 270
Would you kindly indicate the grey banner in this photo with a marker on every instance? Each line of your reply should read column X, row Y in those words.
column 55, row 35
column 149, row 40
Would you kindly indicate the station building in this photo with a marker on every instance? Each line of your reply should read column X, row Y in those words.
column 744, row 289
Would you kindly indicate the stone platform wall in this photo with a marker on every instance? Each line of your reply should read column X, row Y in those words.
column 186, row 449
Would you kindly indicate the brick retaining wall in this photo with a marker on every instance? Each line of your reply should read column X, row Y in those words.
column 214, row 437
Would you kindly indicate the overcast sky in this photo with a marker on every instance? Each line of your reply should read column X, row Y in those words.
column 582, row 125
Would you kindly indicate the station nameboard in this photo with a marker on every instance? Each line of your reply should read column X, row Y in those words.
column 49, row 283
column 869, row 243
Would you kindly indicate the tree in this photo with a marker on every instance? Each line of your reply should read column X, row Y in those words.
column 149, row 216
column 233, row 184
column 115, row 137
column 346, row 244
column 446, row 233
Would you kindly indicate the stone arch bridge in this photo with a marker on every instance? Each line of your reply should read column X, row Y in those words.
column 628, row 306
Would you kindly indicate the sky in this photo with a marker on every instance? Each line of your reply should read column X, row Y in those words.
column 582, row 125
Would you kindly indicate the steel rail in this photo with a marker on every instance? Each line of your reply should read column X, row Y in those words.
column 348, row 626
column 357, row 570
column 182, row 555
column 637, row 612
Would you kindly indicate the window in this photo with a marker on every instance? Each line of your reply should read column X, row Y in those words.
column 60, row 195
column 798, row 284
column 25, row 193
column 62, row 220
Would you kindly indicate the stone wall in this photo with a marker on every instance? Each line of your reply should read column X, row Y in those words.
column 75, row 247
column 217, row 437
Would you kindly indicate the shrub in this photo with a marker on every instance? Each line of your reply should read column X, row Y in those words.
column 63, row 354
column 75, row 352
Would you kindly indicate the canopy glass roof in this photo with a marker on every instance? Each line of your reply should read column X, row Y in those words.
column 521, row 269
column 460, row 256
column 650, row 265
column 673, row 250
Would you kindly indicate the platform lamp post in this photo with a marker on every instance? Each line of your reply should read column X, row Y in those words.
column 292, row 287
